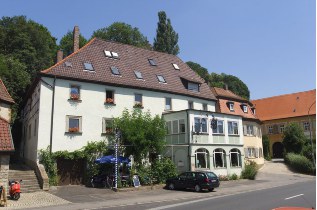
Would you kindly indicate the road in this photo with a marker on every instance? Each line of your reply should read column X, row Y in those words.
column 298, row 194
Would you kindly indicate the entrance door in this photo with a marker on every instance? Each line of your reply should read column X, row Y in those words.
column 278, row 149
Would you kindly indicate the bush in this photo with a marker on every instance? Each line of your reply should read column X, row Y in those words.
column 163, row 169
column 299, row 163
column 223, row 178
column 233, row 177
column 250, row 170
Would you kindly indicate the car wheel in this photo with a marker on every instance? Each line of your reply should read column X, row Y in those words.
column 171, row 186
column 197, row 188
column 211, row 189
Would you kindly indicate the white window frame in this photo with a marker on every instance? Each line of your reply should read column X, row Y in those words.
column 245, row 109
column 238, row 154
column 105, row 122
column 250, row 130
column 233, row 128
column 166, row 105
column 107, row 100
column 138, row 102
column 270, row 129
column 72, row 95
column 231, row 106
column 217, row 129
column 68, row 118
column 205, row 154
column 201, row 124
column 222, row 152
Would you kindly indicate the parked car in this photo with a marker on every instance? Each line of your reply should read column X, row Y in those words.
column 197, row 180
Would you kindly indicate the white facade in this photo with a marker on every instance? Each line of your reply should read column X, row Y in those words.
column 91, row 109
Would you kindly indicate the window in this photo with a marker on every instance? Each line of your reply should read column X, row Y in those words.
column 235, row 158
column 73, row 124
column 169, row 127
column 175, row 126
column 175, row 66
column 219, row 158
column 200, row 125
column 161, row 78
column 138, row 100
column 109, row 97
column 115, row 70
column 74, row 92
column 218, row 128
column 190, row 105
column 245, row 109
column 88, row 66
column 152, row 62
column 182, row 128
column 233, row 128
column 138, row 75
column 270, row 129
column 115, row 55
column 68, row 64
column 108, row 53
column 205, row 107
column 201, row 158
column 250, row 131
column 306, row 126
column 193, row 86
column 231, row 106
column 253, row 110
column 252, row 152
column 282, row 128
column 107, row 125
column 168, row 104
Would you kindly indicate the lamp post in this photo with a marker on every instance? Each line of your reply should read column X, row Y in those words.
column 310, row 134
column 118, row 134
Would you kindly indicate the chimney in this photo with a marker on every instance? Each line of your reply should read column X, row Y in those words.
column 225, row 86
column 59, row 56
column 76, row 38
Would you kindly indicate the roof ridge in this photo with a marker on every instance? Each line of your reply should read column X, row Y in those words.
column 71, row 55
column 306, row 91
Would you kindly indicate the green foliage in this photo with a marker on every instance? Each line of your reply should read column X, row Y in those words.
column 307, row 150
column 67, row 43
column 166, row 38
column 233, row 177
column 90, row 152
column 293, row 138
column 201, row 71
column 299, row 163
column 29, row 42
column 163, row 169
column 123, row 33
column 143, row 134
column 266, row 147
column 145, row 174
column 250, row 170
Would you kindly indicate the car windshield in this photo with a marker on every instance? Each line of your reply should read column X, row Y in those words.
column 211, row 175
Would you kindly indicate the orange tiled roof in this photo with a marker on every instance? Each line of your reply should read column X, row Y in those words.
column 285, row 106
column 4, row 95
column 6, row 143
column 222, row 93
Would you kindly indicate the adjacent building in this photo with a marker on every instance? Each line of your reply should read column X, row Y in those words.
column 6, row 142
column 278, row 111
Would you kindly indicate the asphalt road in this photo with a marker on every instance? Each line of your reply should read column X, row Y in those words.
column 299, row 194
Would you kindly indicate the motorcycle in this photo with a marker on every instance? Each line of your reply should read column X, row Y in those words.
column 15, row 189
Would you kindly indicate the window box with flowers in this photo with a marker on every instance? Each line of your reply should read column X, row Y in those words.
column 73, row 130
column 138, row 105
column 109, row 101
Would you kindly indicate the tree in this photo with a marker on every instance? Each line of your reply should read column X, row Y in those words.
column 123, row 33
column 67, row 42
column 201, row 71
column 141, row 134
column 29, row 42
column 166, row 38
column 266, row 147
column 293, row 138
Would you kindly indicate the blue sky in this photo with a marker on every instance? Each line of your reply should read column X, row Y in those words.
column 269, row 44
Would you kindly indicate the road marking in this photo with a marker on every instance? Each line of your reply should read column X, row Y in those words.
column 293, row 196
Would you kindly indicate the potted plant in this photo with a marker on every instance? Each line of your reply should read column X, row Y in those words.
column 109, row 101
column 73, row 130
column 74, row 96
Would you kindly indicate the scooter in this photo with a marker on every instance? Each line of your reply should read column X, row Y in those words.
column 15, row 189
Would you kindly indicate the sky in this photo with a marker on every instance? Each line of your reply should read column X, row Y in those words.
column 269, row 44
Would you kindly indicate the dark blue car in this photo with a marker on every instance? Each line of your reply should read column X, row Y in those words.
column 197, row 180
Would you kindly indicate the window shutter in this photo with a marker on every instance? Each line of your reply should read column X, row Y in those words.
column 103, row 125
column 245, row 130
column 246, row 152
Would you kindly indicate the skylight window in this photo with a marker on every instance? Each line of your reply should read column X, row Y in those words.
column 115, row 70
column 115, row 55
column 68, row 64
column 138, row 75
column 152, row 62
column 175, row 66
column 161, row 78
column 108, row 53
column 88, row 66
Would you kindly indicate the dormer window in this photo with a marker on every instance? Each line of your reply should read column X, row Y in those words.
column 152, row 62
column 253, row 110
column 245, row 108
column 161, row 78
column 231, row 106
column 88, row 66
column 175, row 66
column 108, row 54
column 115, row 70
column 193, row 86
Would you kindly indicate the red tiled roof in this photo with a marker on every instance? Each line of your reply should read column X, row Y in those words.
column 130, row 59
column 226, row 96
column 6, row 143
column 285, row 106
column 4, row 95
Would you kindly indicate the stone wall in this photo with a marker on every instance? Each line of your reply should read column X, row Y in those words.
column 4, row 170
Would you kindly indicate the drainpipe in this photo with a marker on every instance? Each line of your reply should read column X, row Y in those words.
column 52, row 116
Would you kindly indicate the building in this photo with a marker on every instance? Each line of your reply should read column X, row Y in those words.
column 75, row 100
column 232, row 104
column 6, row 142
column 277, row 111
